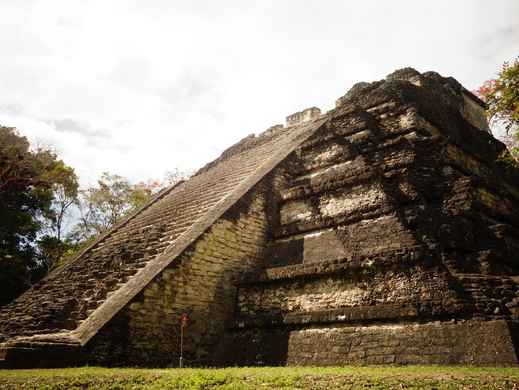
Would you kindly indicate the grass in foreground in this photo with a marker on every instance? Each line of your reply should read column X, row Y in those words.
column 410, row 377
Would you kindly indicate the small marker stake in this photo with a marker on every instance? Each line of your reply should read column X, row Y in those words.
column 183, row 323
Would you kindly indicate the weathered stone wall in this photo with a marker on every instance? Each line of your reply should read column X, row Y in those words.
column 456, row 342
column 392, row 220
column 427, row 289
column 354, row 187
column 201, row 283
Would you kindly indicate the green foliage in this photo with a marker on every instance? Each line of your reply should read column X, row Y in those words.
column 65, row 190
column 28, row 179
column 502, row 97
column 51, row 244
column 103, row 205
column 40, row 201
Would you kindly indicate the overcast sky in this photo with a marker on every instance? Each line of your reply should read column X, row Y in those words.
column 142, row 87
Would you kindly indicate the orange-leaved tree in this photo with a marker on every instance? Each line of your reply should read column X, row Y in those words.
column 502, row 97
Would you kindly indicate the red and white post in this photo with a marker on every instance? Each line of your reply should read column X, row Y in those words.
column 183, row 324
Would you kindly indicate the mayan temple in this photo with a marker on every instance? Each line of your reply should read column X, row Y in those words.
column 383, row 231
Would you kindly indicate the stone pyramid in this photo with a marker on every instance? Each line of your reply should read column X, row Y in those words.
column 383, row 231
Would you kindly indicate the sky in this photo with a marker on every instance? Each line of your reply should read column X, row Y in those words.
column 139, row 88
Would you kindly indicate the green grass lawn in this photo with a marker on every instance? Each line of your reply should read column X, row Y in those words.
column 410, row 377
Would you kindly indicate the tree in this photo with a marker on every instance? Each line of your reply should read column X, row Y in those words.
column 65, row 189
column 102, row 206
column 38, row 193
column 174, row 176
column 27, row 181
column 502, row 97
column 51, row 244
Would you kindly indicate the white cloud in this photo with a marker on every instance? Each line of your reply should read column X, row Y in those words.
column 146, row 87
